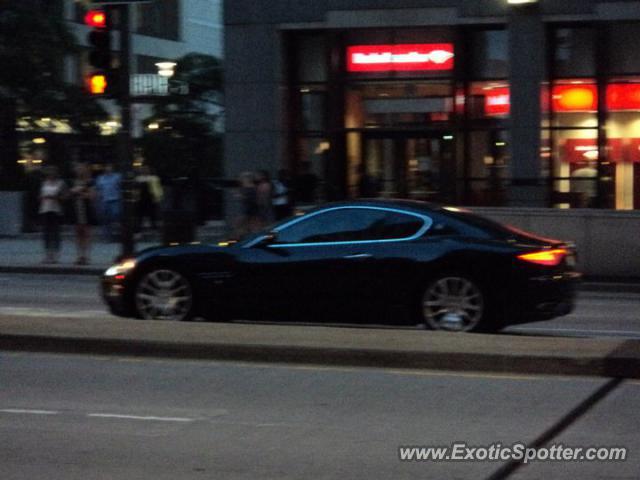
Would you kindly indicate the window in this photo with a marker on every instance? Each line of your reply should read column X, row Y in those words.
column 624, row 52
column 489, row 54
column 159, row 19
column 351, row 225
column 575, row 52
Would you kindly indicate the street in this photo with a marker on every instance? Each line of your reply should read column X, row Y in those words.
column 77, row 417
column 598, row 314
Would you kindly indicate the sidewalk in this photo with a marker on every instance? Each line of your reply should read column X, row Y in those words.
column 24, row 254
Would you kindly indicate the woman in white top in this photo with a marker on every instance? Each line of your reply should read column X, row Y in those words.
column 52, row 194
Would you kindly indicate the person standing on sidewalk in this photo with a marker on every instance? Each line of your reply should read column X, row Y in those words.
column 109, row 192
column 83, row 194
column 52, row 193
column 282, row 206
column 149, row 198
column 264, row 196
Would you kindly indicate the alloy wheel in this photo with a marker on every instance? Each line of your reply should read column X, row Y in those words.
column 164, row 295
column 453, row 304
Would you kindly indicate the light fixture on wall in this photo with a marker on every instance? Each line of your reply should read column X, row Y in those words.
column 166, row 69
column 521, row 2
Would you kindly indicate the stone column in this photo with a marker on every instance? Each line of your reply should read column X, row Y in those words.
column 527, row 56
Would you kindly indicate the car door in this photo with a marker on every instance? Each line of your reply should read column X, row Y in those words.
column 318, row 259
column 388, row 256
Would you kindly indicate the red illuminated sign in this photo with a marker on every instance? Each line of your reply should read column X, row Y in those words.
column 497, row 102
column 579, row 150
column 405, row 58
column 574, row 98
column 634, row 150
column 623, row 96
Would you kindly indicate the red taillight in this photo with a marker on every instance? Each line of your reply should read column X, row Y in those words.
column 549, row 258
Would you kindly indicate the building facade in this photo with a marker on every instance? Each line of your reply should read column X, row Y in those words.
column 474, row 102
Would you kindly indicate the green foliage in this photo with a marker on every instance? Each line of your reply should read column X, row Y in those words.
column 186, row 141
column 33, row 42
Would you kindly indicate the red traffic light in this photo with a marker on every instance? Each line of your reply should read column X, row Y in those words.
column 96, row 19
column 97, row 84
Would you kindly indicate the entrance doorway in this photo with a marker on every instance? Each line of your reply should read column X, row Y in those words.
column 418, row 166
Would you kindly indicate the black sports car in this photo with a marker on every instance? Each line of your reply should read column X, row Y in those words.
column 390, row 261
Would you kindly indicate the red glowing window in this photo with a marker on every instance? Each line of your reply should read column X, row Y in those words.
column 623, row 96
column 406, row 57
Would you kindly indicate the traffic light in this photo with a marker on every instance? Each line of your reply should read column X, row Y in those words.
column 102, row 80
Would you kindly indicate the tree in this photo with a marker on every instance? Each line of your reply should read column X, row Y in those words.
column 34, row 40
column 186, row 142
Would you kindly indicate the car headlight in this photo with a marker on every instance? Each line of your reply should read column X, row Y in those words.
column 120, row 268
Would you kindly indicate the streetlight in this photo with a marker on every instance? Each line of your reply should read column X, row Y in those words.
column 520, row 2
column 166, row 69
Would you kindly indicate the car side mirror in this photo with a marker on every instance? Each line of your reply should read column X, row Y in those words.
column 267, row 239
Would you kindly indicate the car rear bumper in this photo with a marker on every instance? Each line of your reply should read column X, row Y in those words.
column 545, row 297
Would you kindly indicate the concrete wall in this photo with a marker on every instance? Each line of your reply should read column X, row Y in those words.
column 607, row 241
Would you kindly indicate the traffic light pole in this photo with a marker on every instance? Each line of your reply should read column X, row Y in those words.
column 125, row 144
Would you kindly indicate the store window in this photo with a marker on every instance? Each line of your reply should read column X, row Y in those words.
column 398, row 104
column 624, row 54
column 574, row 103
column 622, row 164
column 486, row 107
column 594, row 116
column 489, row 100
column 311, row 58
column 575, row 52
column 489, row 55
column 487, row 171
column 575, row 169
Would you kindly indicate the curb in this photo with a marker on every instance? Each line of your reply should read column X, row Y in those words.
column 622, row 363
column 51, row 270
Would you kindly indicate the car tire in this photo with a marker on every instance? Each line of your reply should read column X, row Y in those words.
column 164, row 293
column 455, row 302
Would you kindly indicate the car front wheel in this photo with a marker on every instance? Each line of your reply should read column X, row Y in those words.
column 454, row 303
column 164, row 294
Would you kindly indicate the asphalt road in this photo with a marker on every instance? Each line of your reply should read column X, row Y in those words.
column 602, row 314
column 76, row 417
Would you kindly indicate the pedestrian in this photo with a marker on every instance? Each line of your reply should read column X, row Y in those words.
column 282, row 205
column 83, row 196
column 264, row 198
column 108, row 186
column 52, row 194
column 247, row 194
column 150, row 195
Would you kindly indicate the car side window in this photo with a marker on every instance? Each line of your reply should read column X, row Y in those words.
column 351, row 224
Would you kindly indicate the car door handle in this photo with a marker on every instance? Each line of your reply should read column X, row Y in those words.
column 358, row 256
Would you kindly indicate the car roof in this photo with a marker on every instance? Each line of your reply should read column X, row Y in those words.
column 411, row 205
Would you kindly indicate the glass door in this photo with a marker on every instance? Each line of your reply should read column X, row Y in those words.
column 404, row 165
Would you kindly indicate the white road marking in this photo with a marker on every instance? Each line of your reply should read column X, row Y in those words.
column 29, row 412
column 49, row 313
column 578, row 331
column 139, row 417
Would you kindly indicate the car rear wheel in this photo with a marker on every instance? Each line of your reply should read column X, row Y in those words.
column 164, row 294
column 454, row 303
